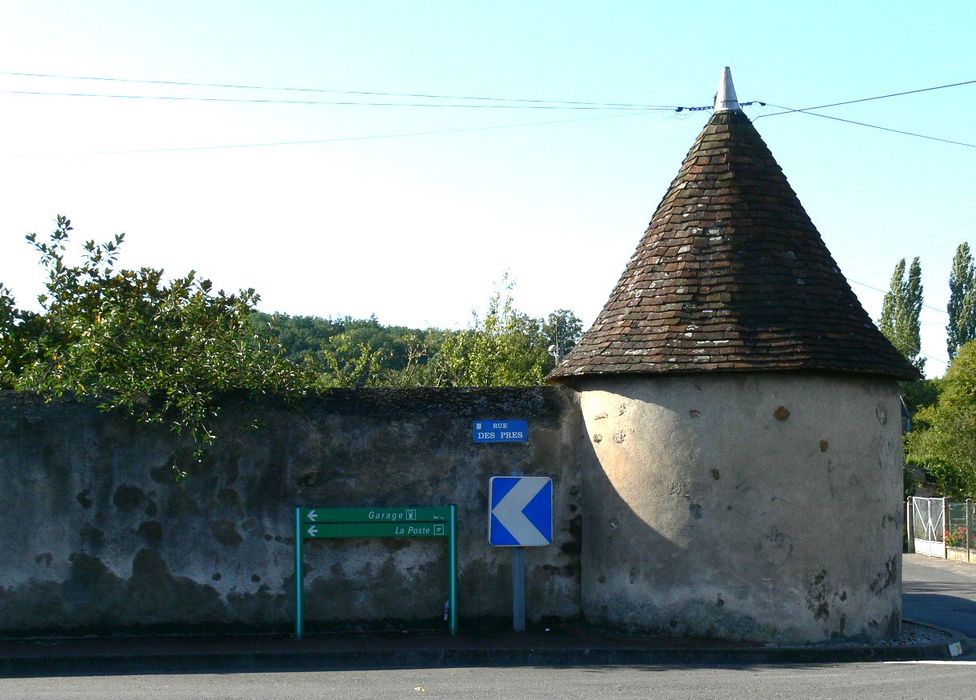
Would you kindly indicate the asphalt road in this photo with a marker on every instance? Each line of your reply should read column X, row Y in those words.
column 940, row 592
column 878, row 680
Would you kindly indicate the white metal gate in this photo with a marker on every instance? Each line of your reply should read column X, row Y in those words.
column 929, row 525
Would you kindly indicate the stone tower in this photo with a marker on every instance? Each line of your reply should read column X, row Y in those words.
column 743, row 475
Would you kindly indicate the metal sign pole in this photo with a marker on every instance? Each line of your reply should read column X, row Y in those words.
column 518, row 589
column 452, row 563
column 299, row 576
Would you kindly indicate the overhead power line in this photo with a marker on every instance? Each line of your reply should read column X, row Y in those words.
column 788, row 110
column 935, row 359
column 365, row 93
column 348, row 103
column 459, row 102
column 809, row 111
column 562, row 104
column 885, row 291
column 924, row 306
column 875, row 126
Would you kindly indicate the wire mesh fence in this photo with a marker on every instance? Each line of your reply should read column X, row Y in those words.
column 960, row 521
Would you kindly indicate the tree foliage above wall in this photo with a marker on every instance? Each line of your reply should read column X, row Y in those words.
column 943, row 440
column 165, row 350
column 161, row 351
column 501, row 347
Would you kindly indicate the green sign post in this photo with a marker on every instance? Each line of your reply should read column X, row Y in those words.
column 343, row 523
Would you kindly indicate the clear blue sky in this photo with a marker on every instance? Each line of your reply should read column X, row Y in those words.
column 417, row 229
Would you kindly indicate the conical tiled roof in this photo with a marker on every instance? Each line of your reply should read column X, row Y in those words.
column 731, row 275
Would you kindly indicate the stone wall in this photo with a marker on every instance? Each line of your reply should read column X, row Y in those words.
column 99, row 533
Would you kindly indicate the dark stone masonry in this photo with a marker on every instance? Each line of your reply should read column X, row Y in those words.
column 101, row 534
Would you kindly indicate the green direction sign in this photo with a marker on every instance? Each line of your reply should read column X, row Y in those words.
column 376, row 515
column 336, row 523
column 398, row 529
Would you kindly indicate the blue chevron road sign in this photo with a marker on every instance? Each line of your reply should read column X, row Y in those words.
column 520, row 512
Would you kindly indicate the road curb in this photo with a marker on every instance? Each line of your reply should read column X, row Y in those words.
column 319, row 659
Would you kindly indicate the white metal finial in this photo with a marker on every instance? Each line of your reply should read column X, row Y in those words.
column 725, row 100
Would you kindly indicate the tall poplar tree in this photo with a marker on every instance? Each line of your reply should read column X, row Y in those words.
column 962, row 301
column 901, row 312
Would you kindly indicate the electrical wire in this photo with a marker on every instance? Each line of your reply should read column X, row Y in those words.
column 885, row 291
column 564, row 104
column 367, row 93
column 872, row 126
column 788, row 110
column 630, row 109
column 924, row 306
column 935, row 359
column 349, row 103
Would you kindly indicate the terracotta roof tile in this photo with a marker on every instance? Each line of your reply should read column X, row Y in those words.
column 731, row 275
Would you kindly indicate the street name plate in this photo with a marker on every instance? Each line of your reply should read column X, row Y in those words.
column 503, row 430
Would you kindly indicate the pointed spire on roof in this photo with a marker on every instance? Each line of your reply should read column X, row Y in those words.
column 725, row 99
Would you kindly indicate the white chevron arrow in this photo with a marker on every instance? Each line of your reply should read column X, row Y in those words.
column 510, row 515
column 313, row 531
column 313, row 515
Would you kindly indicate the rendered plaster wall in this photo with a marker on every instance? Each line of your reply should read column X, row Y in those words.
column 743, row 506
column 99, row 533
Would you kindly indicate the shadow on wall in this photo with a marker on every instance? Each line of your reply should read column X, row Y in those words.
column 710, row 509
column 100, row 536
column 636, row 579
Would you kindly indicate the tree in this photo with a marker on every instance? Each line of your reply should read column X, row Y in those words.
column 350, row 365
column 962, row 301
column 901, row 312
column 300, row 336
column 943, row 441
column 348, row 352
column 420, row 367
column 505, row 348
column 163, row 352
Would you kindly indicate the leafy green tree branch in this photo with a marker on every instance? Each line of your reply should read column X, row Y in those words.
column 161, row 351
